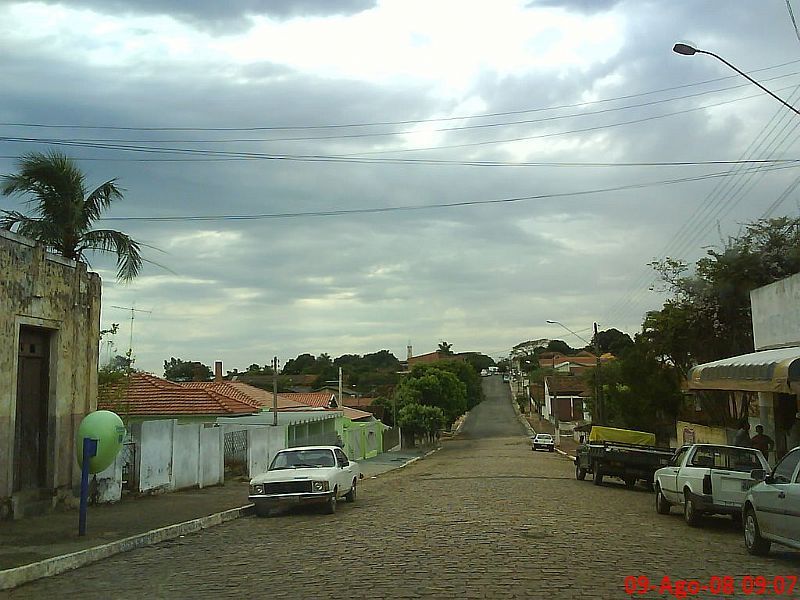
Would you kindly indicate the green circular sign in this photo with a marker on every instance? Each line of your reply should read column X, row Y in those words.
column 107, row 428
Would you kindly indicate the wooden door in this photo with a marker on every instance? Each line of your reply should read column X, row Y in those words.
column 33, row 378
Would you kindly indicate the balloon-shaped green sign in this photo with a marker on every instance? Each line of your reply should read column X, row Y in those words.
column 107, row 428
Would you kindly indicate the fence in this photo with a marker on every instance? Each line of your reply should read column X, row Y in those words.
column 236, row 451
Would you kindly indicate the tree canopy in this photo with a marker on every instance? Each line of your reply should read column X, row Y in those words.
column 433, row 386
column 64, row 210
column 176, row 369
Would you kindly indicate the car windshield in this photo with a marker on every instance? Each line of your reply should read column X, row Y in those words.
column 543, row 436
column 299, row 459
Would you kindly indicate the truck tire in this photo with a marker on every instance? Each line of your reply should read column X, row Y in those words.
column 597, row 475
column 662, row 506
column 580, row 474
column 690, row 513
column 351, row 495
column 630, row 481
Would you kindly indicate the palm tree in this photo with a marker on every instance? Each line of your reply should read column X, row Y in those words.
column 63, row 212
column 445, row 348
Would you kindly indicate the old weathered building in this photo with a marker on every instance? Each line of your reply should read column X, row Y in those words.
column 49, row 340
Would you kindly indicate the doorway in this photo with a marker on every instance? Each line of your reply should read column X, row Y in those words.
column 33, row 390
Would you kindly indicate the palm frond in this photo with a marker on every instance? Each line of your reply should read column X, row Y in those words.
column 100, row 199
column 128, row 251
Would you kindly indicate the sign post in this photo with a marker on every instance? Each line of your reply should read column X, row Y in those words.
column 89, row 451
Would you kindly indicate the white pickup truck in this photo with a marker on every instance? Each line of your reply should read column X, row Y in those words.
column 707, row 479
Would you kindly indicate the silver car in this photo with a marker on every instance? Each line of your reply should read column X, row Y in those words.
column 544, row 441
column 771, row 510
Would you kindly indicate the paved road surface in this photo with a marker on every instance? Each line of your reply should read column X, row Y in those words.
column 484, row 518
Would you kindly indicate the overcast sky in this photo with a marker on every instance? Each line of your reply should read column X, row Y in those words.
column 522, row 136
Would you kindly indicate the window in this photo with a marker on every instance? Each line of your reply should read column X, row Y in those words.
column 676, row 460
column 785, row 469
column 724, row 457
column 342, row 457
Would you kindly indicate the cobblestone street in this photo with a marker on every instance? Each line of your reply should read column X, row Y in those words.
column 483, row 518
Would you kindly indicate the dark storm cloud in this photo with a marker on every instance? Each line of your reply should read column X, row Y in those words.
column 584, row 6
column 223, row 17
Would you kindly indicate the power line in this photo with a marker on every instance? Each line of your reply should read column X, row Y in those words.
column 359, row 155
column 411, row 132
column 399, row 122
column 794, row 22
column 417, row 207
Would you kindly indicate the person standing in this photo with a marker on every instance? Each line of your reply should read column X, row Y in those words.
column 742, row 437
column 762, row 442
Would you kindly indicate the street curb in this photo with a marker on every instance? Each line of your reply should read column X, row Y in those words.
column 565, row 454
column 416, row 458
column 11, row 578
column 521, row 417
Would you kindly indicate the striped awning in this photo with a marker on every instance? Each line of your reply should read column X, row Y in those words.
column 765, row 371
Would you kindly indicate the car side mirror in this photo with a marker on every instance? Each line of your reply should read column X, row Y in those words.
column 758, row 474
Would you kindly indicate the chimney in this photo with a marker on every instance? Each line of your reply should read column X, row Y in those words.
column 410, row 354
column 218, row 370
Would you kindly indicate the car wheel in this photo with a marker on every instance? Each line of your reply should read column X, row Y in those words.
column 662, row 506
column 551, row 449
column 630, row 481
column 351, row 495
column 753, row 542
column 263, row 511
column 597, row 478
column 690, row 513
column 330, row 505
column 580, row 474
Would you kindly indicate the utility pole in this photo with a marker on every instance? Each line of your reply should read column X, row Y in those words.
column 133, row 316
column 598, row 390
column 275, row 391
column 341, row 401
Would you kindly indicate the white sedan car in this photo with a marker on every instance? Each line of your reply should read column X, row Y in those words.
column 543, row 441
column 772, row 508
column 306, row 475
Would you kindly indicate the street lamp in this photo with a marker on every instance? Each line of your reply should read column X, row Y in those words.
column 600, row 412
column 688, row 50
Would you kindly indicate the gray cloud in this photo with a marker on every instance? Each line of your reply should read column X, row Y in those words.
column 224, row 17
column 583, row 6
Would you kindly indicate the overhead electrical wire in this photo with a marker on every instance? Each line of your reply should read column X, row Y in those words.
column 358, row 155
column 417, row 207
column 427, row 131
column 398, row 122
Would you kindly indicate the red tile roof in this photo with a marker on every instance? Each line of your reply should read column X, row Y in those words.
column 357, row 402
column 315, row 399
column 248, row 393
column 147, row 395
column 354, row 414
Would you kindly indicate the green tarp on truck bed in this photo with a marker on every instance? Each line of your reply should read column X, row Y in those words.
column 624, row 436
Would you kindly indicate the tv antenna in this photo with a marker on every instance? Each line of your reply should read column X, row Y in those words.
column 133, row 316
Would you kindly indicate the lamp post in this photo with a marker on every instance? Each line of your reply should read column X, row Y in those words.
column 687, row 50
column 599, row 408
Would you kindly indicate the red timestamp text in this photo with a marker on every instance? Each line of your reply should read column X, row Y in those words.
column 718, row 585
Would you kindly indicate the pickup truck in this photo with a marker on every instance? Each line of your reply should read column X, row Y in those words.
column 623, row 453
column 707, row 479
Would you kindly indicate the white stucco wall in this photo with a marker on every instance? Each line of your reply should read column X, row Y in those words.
column 185, row 455
column 109, row 482
column 776, row 313
column 212, row 457
column 155, row 454
column 263, row 444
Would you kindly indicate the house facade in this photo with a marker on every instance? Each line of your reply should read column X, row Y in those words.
column 763, row 386
column 49, row 344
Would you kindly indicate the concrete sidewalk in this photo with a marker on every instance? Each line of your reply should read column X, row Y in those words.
column 47, row 545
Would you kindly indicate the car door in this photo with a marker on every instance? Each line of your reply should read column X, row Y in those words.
column 793, row 506
column 776, row 499
column 344, row 477
column 694, row 468
column 668, row 476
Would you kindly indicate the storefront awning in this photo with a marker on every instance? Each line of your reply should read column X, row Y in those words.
column 765, row 371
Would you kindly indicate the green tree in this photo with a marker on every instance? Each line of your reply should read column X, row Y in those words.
column 432, row 386
column 479, row 361
column 468, row 376
column 176, row 369
column 445, row 348
column 63, row 211
column 561, row 346
column 417, row 420
column 708, row 316
column 612, row 341
column 303, row 364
